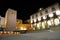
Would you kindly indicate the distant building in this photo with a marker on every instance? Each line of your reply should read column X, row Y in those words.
column 27, row 21
column 2, row 22
column 10, row 19
column 11, row 23
column 46, row 18
column 21, row 26
column 19, row 21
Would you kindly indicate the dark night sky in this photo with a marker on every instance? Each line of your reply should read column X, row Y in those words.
column 24, row 8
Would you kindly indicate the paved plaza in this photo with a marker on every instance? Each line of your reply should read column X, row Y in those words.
column 33, row 36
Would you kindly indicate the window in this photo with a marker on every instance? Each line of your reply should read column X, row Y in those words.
column 46, row 11
column 47, row 17
column 49, row 23
column 44, row 17
column 58, row 12
column 51, row 14
column 56, row 21
column 55, row 16
column 36, row 15
column 33, row 16
column 40, row 13
column 53, row 9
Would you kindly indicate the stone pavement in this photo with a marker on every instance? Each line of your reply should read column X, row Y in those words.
column 33, row 36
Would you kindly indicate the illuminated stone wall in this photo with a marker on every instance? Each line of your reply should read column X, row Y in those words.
column 10, row 20
column 46, row 18
column 19, row 21
column 23, row 27
column 2, row 22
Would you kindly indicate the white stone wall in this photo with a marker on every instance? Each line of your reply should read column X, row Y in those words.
column 49, row 11
column 11, row 20
column 2, row 21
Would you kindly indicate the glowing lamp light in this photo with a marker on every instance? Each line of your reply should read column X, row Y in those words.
column 22, row 28
column 43, row 25
column 5, row 32
column 38, row 25
column 51, row 15
column 59, row 17
column 11, row 32
column 40, row 9
column 31, row 21
column 39, row 18
column 25, row 29
column 44, row 17
column 49, row 23
column 1, row 32
column 57, row 12
column 34, row 20
column 56, row 21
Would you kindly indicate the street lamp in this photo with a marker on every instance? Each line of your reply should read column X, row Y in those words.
column 31, row 21
column 50, row 14
column 44, row 17
column 58, row 12
column 39, row 18
column 34, row 20
column 40, row 9
column 56, row 21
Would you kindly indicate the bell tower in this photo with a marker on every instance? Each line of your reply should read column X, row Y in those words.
column 10, row 20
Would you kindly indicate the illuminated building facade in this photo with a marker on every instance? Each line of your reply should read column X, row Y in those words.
column 2, row 26
column 11, row 23
column 2, row 22
column 46, row 18
column 10, row 20
column 21, row 26
column 19, row 21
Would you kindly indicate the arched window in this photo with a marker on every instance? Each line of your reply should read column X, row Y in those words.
column 53, row 9
column 46, row 11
